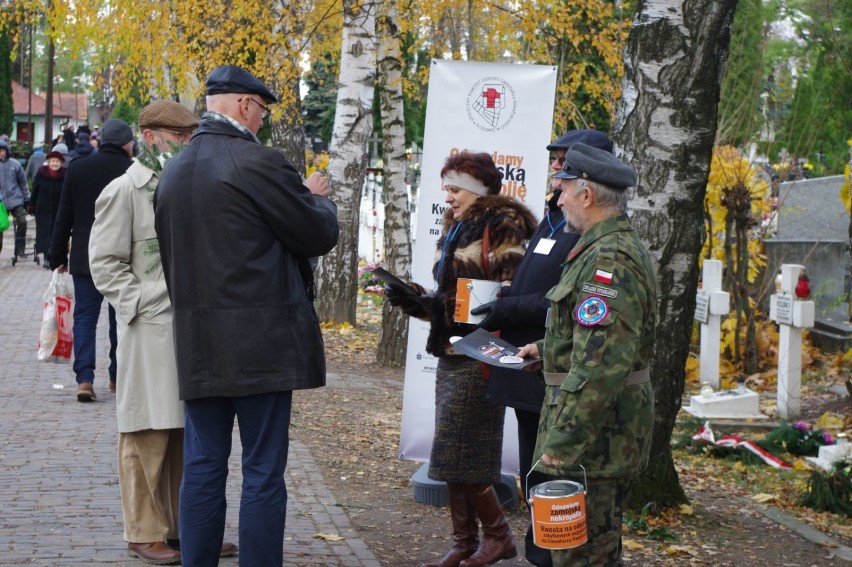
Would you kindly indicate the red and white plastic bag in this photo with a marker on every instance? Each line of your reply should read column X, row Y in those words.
column 56, row 339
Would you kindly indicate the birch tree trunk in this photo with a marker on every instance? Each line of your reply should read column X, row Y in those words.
column 397, row 243
column 288, row 132
column 665, row 127
column 353, row 122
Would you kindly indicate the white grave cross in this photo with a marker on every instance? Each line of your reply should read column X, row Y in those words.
column 711, row 303
column 792, row 315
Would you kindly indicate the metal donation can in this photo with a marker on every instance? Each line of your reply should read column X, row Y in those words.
column 558, row 510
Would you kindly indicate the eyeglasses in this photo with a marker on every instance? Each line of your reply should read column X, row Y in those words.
column 182, row 135
column 266, row 111
column 558, row 159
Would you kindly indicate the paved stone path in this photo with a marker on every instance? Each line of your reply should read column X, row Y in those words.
column 59, row 497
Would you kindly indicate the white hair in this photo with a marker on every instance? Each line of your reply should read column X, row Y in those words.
column 605, row 196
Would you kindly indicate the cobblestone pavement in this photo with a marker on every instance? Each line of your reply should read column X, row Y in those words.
column 59, row 497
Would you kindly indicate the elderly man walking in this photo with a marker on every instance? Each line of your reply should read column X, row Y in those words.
column 86, row 178
column 237, row 227
column 14, row 194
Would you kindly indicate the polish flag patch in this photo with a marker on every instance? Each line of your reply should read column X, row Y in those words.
column 603, row 277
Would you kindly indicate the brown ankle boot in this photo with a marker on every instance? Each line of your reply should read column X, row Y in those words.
column 497, row 543
column 465, row 530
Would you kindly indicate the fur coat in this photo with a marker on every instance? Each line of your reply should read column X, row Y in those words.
column 510, row 224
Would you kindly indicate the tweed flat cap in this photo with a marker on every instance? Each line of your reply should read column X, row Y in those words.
column 586, row 162
column 167, row 114
column 233, row 79
column 116, row 131
column 589, row 137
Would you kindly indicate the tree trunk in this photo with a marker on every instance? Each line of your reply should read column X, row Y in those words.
column 665, row 127
column 288, row 133
column 397, row 243
column 51, row 65
column 337, row 291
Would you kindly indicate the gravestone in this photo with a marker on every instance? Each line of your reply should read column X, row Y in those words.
column 711, row 303
column 793, row 314
column 813, row 230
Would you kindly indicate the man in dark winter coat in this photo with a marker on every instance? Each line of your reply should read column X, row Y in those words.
column 83, row 147
column 237, row 228
column 520, row 314
column 84, row 182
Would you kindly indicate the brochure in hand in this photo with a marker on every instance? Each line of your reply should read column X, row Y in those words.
column 391, row 279
column 485, row 347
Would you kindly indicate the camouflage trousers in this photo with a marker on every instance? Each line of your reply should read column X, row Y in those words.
column 605, row 501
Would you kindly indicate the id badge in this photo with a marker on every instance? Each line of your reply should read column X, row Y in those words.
column 544, row 246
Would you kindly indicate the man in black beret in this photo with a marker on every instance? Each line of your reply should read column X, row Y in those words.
column 599, row 403
column 520, row 312
column 232, row 79
column 237, row 227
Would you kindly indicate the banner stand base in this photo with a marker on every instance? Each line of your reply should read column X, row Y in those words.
column 434, row 492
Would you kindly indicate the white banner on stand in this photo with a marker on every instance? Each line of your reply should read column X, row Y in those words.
column 505, row 110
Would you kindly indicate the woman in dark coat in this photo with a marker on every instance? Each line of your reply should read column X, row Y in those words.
column 44, row 200
column 483, row 238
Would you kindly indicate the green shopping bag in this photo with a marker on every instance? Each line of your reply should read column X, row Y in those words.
column 4, row 217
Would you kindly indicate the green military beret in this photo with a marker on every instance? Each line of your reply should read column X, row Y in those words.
column 586, row 162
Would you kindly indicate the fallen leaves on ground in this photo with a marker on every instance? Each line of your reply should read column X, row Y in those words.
column 352, row 430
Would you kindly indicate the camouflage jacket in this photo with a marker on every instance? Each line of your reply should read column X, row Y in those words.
column 600, row 333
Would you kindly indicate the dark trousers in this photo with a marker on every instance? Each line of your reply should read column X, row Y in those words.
column 20, row 215
column 87, row 310
column 527, row 432
column 264, row 421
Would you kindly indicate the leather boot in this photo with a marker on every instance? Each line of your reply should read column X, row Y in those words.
column 465, row 530
column 497, row 543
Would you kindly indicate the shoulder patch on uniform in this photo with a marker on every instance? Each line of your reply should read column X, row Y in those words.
column 591, row 311
column 603, row 276
column 594, row 288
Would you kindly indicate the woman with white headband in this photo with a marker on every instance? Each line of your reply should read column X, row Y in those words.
column 483, row 238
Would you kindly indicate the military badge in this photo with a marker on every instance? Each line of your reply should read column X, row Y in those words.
column 591, row 311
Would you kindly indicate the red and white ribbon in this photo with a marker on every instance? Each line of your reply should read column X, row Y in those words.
column 706, row 434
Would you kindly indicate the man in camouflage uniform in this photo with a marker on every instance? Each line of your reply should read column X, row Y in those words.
column 599, row 404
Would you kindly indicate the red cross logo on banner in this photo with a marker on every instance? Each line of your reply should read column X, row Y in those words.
column 491, row 95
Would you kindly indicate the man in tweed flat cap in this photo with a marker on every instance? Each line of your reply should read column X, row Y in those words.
column 599, row 404
column 125, row 267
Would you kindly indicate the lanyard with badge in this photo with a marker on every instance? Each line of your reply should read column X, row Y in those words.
column 545, row 245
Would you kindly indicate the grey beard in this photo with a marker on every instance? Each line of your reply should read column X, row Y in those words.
column 570, row 226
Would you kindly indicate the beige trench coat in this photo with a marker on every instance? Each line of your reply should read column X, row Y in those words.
column 131, row 278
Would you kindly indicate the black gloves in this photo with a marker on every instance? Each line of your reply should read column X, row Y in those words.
column 409, row 300
column 493, row 315
column 396, row 296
